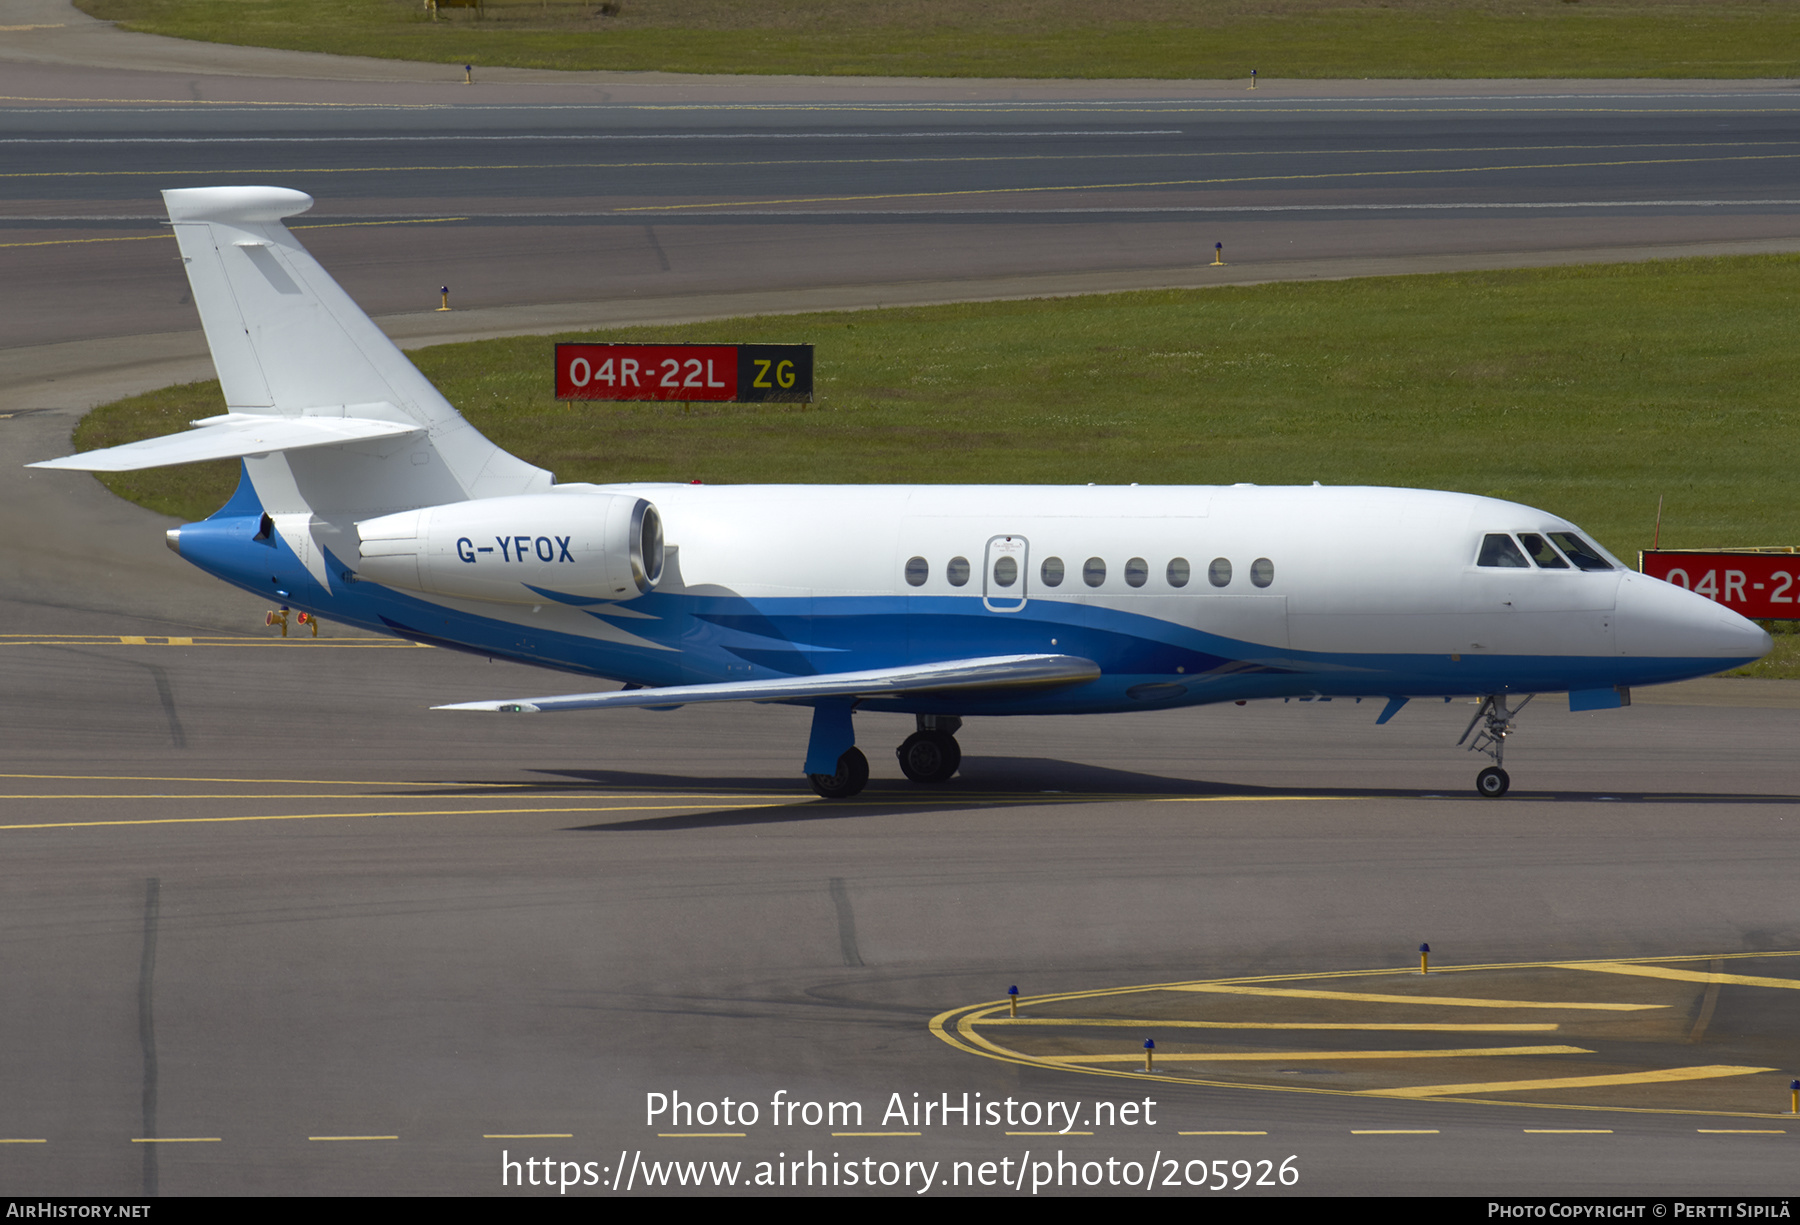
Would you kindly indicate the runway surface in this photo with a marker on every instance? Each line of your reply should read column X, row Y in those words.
column 272, row 926
column 631, row 193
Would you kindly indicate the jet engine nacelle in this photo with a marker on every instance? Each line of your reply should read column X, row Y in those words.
column 591, row 546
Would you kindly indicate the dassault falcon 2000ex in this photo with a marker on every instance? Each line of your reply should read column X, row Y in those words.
column 366, row 498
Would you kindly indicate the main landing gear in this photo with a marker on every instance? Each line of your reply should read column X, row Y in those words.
column 1497, row 725
column 931, row 754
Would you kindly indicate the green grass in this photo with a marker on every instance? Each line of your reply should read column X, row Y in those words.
column 1588, row 391
column 189, row 491
column 1183, row 39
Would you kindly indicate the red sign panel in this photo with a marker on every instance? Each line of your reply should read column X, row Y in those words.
column 1762, row 585
column 646, row 372
column 741, row 373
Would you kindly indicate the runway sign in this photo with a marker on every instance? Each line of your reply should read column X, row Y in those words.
column 1756, row 584
column 744, row 374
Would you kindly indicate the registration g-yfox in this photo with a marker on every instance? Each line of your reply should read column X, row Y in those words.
column 368, row 499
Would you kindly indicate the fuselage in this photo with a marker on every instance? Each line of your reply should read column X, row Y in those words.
column 1181, row 595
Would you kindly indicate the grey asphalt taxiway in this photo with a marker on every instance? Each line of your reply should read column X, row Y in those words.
column 270, row 925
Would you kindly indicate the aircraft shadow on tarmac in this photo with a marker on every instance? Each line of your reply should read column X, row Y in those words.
column 993, row 783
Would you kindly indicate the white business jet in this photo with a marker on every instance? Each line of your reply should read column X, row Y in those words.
column 366, row 498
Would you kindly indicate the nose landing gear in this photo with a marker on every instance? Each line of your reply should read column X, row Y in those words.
column 1497, row 725
column 1492, row 782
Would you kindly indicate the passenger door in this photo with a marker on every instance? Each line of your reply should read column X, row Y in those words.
column 1006, row 574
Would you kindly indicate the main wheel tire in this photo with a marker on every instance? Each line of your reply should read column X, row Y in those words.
column 1492, row 782
column 851, row 777
column 929, row 757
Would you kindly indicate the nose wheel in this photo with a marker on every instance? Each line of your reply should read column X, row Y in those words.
column 1496, row 725
column 851, row 777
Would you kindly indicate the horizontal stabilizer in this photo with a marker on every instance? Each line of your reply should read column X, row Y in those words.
column 231, row 437
column 993, row 672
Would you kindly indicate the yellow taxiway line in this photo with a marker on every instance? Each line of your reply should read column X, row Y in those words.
column 1497, row 1027
column 1681, row 976
column 331, row 1138
column 250, row 782
column 165, row 640
column 177, row 1140
column 961, row 1028
column 1211, row 182
column 188, row 642
column 1369, row 997
column 444, row 812
column 1659, row 1076
column 1477, row 1052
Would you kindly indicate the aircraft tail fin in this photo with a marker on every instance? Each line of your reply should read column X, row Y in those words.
column 340, row 419
column 283, row 335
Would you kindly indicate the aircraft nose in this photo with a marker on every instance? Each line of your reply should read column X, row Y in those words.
column 1660, row 620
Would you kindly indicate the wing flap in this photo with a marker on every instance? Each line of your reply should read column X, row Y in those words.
column 992, row 672
column 231, row 437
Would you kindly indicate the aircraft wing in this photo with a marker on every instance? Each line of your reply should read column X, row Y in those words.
column 230, row 437
column 992, row 672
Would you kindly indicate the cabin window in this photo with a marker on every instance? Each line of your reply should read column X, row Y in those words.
column 1541, row 552
column 957, row 571
column 1179, row 572
column 1262, row 572
column 1093, row 571
column 1499, row 550
column 1219, row 573
column 917, row 571
column 1580, row 551
column 1052, row 572
column 1137, row 572
column 1006, row 572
